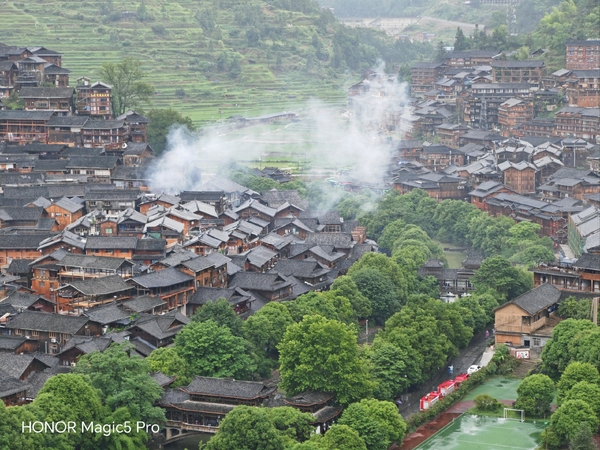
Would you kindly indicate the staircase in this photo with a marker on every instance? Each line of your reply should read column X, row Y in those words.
column 525, row 366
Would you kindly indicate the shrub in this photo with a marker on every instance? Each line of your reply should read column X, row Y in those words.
column 485, row 402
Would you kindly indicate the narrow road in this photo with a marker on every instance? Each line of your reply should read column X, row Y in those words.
column 467, row 357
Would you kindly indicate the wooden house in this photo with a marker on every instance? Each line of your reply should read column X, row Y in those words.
column 19, row 246
column 172, row 286
column 93, row 99
column 583, row 54
column 583, row 277
column 56, row 76
column 528, row 320
column 110, row 134
column 24, row 127
column 487, row 190
column 512, row 113
column 138, row 126
column 238, row 299
column 267, row 286
column 208, row 271
column 84, row 267
column 80, row 294
column 228, row 391
column 513, row 71
column 65, row 211
column 158, row 330
column 65, row 130
column 51, row 331
column 521, row 177
column 59, row 100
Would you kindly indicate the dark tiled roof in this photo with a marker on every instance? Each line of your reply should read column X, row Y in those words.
column 93, row 162
column 162, row 379
column 228, row 387
column 15, row 365
column 21, row 214
column 21, row 241
column 31, row 320
column 87, row 344
column 151, row 245
column 10, row 343
column 108, row 314
column 18, row 267
column 20, row 114
column 10, row 385
column 162, row 327
column 143, row 303
column 103, row 124
column 309, row 398
column 46, row 92
column 162, row 278
column 538, row 298
column 104, row 242
column 101, row 286
column 338, row 240
column 93, row 262
column 259, row 281
column 23, row 300
column 588, row 261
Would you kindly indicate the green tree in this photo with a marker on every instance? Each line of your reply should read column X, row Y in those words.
column 211, row 350
column 248, row 428
column 128, row 88
column 266, row 327
column 344, row 286
column 575, row 373
column 387, row 267
column 460, row 41
column 380, row 291
column 583, row 439
column 556, row 355
column 485, row 402
column 585, row 346
column 535, row 394
column 377, row 422
column 322, row 354
column 342, row 437
column 168, row 361
column 572, row 308
column 586, row 391
column 498, row 274
column 389, row 369
column 440, row 52
column 569, row 416
column 390, row 234
column 68, row 397
column 331, row 307
column 123, row 380
column 161, row 122
column 222, row 314
column 11, row 434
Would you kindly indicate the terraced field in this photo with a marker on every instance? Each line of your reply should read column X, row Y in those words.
column 176, row 53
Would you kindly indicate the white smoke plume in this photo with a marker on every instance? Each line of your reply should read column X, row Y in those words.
column 355, row 138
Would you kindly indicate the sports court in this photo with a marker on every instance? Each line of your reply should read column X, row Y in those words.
column 470, row 432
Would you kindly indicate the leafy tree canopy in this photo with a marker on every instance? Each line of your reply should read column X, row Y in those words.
column 322, row 354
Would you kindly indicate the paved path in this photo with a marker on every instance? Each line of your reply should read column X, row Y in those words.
column 467, row 357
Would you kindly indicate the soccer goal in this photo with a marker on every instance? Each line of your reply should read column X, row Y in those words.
column 515, row 414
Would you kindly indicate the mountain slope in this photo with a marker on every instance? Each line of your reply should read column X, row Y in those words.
column 209, row 58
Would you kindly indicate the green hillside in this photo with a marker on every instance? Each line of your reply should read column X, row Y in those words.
column 208, row 59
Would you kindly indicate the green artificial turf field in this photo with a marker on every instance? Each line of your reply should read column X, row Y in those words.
column 470, row 432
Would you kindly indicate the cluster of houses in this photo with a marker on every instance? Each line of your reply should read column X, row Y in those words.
column 54, row 112
column 88, row 262
column 477, row 90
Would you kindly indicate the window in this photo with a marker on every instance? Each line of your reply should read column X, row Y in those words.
column 35, row 333
column 537, row 342
column 42, row 284
column 52, row 334
column 18, row 332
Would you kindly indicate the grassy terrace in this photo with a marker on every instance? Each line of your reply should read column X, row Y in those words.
column 174, row 55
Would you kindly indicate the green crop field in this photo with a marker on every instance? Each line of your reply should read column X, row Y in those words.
column 178, row 56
